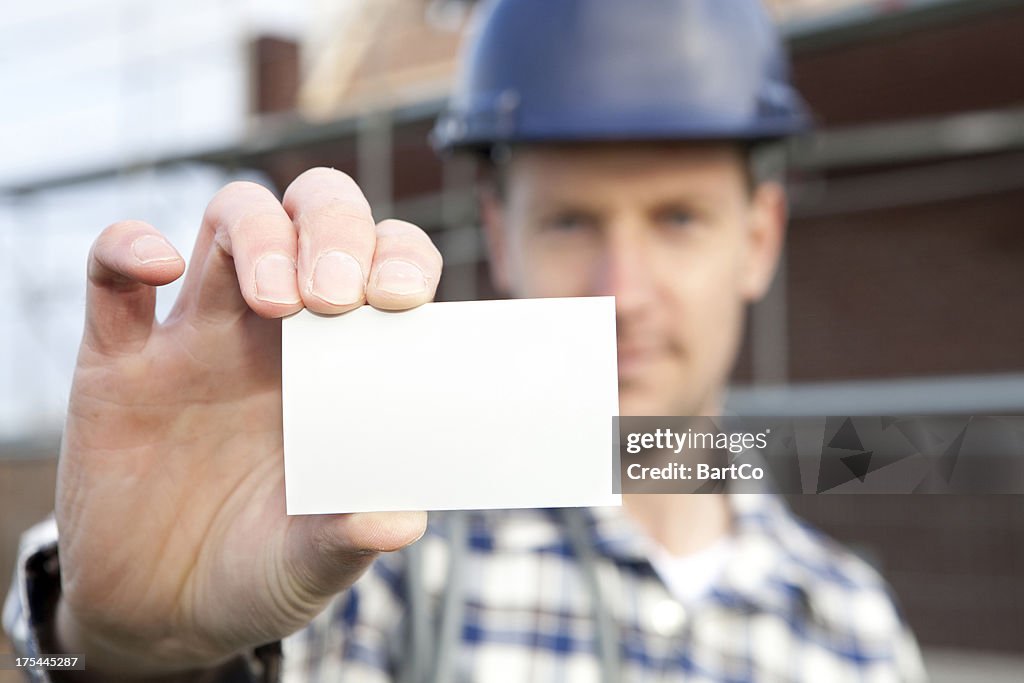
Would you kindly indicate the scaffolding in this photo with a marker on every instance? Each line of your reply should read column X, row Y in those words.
column 918, row 160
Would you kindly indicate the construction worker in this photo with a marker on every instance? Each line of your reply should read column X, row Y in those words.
column 619, row 138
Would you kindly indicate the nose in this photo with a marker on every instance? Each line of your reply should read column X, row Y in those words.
column 626, row 269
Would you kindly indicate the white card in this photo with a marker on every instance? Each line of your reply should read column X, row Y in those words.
column 463, row 405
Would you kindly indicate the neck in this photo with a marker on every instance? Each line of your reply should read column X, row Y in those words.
column 683, row 523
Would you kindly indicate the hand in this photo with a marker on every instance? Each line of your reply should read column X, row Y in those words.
column 175, row 549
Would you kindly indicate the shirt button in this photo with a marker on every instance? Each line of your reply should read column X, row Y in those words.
column 668, row 617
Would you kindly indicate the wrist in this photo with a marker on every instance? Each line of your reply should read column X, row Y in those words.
column 109, row 662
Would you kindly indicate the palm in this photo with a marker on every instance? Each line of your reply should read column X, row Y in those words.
column 193, row 473
column 170, row 490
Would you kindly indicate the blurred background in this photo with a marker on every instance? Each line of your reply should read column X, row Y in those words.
column 900, row 292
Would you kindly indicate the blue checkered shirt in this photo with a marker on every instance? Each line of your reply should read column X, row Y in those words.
column 789, row 605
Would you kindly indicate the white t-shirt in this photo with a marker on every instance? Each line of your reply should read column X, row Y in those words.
column 691, row 577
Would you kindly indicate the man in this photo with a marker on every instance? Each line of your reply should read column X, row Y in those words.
column 622, row 136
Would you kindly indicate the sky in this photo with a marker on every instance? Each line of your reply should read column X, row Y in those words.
column 96, row 83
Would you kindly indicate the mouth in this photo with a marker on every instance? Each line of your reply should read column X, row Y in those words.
column 634, row 359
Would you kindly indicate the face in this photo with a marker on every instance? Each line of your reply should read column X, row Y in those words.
column 673, row 232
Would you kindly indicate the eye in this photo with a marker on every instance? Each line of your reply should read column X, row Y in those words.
column 571, row 221
column 676, row 217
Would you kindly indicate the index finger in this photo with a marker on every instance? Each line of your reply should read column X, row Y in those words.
column 244, row 257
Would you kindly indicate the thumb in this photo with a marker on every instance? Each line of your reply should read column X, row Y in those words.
column 329, row 552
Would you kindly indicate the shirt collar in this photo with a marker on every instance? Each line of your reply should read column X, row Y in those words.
column 765, row 570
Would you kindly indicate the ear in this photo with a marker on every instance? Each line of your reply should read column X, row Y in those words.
column 492, row 215
column 769, row 214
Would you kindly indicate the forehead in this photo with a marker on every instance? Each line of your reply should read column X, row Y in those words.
column 627, row 169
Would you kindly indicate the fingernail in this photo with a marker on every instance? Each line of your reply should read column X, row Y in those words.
column 152, row 249
column 337, row 279
column 401, row 277
column 275, row 279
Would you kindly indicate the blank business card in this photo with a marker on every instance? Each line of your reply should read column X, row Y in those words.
column 464, row 405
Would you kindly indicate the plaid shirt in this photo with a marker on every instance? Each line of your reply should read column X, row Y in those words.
column 789, row 605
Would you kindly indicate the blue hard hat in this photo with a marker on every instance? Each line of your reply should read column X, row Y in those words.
column 590, row 70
